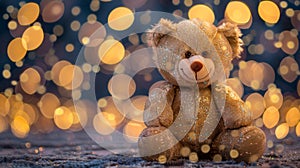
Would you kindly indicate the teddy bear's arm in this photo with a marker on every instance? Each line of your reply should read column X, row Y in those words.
column 158, row 108
column 235, row 114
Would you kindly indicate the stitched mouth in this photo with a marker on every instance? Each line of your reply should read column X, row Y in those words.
column 193, row 79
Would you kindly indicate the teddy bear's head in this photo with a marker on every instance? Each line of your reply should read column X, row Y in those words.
column 194, row 51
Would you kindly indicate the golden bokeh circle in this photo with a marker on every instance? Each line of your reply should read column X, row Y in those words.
column 120, row 18
column 112, row 113
column 162, row 159
column 111, row 51
column 234, row 153
column 271, row 117
column 238, row 12
column 33, row 37
column 282, row 131
column 206, row 13
column 56, row 69
column 185, row 151
column 30, row 80
column 17, row 49
column 48, row 104
column 292, row 116
column 63, row 117
column 255, row 103
column 103, row 123
column 20, row 127
column 132, row 130
column 68, row 79
column 236, row 85
column 28, row 13
column 273, row 97
column 269, row 12
column 118, row 89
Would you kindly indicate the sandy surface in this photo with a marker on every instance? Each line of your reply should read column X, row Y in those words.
column 62, row 149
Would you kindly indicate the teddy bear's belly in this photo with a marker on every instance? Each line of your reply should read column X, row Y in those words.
column 191, row 139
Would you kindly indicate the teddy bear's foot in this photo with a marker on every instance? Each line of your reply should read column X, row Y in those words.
column 158, row 144
column 243, row 144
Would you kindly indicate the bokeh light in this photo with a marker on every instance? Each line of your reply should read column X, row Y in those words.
column 52, row 10
column 121, row 86
column 256, row 75
column 295, row 20
column 185, row 151
column 236, row 85
column 63, row 117
column 20, row 127
column 104, row 123
column 3, row 124
column 298, row 129
column 269, row 11
column 30, row 80
column 48, row 104
column 56, row 69
column 70, row 77
column 288, row 69
column 135, row 110
column 28, row 13
column 162, row 159
column 234, row 153
column 205, row 148
column 33, row 36
column 193, row 157
column 293, row 117
column 31, row 113
column 133, row 129
column 113, row 115
column 271, row 117
column 206, row 13
column 255, row 103
column 86, row 31
column 120, row 18
column 4, row 104
column 289, row 41
column 282, row 131
column 17, row 49
column 111, row 51
column 238, row 13
column 273, row 97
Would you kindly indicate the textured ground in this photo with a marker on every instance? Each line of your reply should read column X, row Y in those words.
column 62, row 149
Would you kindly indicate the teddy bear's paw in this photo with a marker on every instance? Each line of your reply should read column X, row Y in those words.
column 157, row 143
column 244, row 144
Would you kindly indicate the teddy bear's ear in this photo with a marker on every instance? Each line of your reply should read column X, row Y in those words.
column 160, row 30
column 233, row 34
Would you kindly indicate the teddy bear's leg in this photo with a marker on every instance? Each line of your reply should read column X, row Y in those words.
column 242, row 144
column 155, row 142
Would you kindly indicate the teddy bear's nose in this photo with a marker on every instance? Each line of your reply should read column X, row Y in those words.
column 196, row 66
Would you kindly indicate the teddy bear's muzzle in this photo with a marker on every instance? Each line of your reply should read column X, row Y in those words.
column 197, row 69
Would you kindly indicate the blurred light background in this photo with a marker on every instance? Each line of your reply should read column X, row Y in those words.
column 40, row 41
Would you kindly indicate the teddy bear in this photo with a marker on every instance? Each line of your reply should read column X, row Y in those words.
column 193, row 110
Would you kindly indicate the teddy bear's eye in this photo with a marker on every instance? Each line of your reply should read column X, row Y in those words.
column 187, row 54
column 204, row 53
